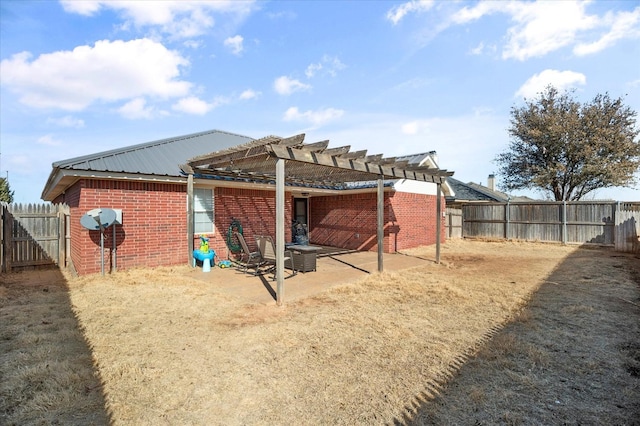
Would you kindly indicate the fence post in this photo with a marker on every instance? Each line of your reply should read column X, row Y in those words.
column 507, row 218
column 564, row 222
column 616, row 229
column 7, row 220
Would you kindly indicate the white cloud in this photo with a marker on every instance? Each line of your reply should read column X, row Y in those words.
column 397, row 13
column 109, row 71
column 179, row 19
column 48, row 140
column 545, row 26
column 328, row 65
column 479, row 10
column 622, row 25
column 67, row 121
column 312, row 69
column 286, row 86
column 86, row 7
column 192, row 105
column 541, row 27
column 316, row 118
column 137, row 109
column 249, row 94
column 193, row 44
column 234, row 44
column 561, row 80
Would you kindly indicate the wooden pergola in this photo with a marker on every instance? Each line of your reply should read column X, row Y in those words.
column 312, row 165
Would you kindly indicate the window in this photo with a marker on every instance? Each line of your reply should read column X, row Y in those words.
column 202, row 211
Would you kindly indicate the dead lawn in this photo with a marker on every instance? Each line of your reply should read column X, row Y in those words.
column 509, row 333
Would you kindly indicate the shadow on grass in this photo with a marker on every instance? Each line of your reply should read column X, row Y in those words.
column 47, row 366
column 571, row 356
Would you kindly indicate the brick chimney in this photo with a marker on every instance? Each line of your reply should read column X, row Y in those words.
column 491, row 182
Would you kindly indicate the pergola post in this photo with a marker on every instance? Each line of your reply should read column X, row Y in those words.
column 190, row 230
column 280, row 231
column 380, row 222
column 438, row 219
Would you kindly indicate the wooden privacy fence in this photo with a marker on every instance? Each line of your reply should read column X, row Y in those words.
column 606, row 223
column 453, row 223
column 627, row 231
column 33, row 235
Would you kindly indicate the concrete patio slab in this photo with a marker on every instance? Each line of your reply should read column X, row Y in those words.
column 333, row 268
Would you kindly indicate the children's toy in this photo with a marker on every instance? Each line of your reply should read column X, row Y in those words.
column 224, row 264
column 205, row 258
column 204, row 244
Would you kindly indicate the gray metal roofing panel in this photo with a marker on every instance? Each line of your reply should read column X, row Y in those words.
column 161, row 157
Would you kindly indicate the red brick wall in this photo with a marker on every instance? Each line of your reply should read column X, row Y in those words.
column 346, row 221
column 256, row 211
column 154, row 225
column 350, row 221
column 412, row 220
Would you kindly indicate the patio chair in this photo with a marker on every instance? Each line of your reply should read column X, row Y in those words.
column 268, row 253
column 249, row 259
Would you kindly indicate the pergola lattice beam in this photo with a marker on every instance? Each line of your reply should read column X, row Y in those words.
column 353, row 165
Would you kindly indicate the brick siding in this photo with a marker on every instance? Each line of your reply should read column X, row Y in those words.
column 155, row 225
column 350, row 221
column 254, row 209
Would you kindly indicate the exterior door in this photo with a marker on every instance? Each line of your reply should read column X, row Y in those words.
column 300, row 228
column 300, row 207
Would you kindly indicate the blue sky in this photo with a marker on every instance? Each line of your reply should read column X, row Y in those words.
column 79, row 77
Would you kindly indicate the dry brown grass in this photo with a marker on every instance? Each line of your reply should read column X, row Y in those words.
column 46, row 367
column 172, row 350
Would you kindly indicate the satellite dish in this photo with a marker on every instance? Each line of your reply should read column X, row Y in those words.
column 97, row 219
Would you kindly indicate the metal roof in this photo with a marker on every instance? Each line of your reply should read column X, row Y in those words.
column 156, row 159
column 312, row 164
column 161, row 157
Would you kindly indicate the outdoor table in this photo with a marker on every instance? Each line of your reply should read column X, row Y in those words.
column 304, row 257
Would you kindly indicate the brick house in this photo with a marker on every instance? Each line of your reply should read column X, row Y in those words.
column 147, row 183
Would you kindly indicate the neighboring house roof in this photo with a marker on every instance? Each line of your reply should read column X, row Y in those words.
column 157, row 158
column 476, row 192
column 420, row 158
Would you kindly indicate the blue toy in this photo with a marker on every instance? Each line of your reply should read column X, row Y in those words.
column 224, row 264
column 205, row 258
